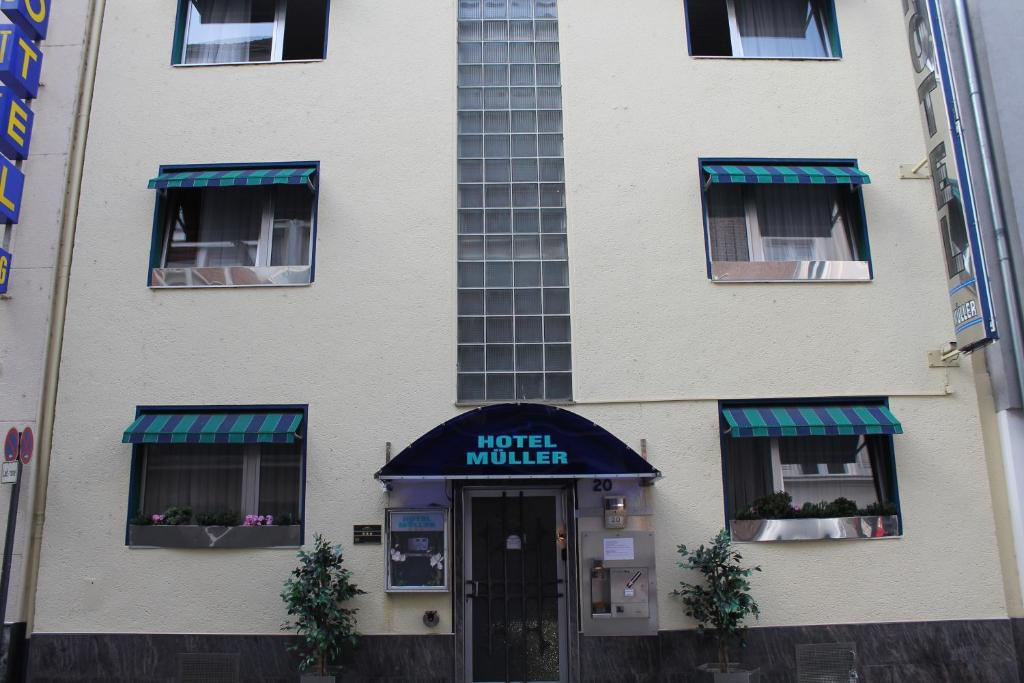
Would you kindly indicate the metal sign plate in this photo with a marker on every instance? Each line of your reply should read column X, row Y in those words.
column 364, row 534
column 9, row 473
column 28, row 444
column 11, row 445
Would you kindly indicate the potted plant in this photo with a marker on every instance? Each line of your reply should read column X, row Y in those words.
column 720, row 603
column 314, row 596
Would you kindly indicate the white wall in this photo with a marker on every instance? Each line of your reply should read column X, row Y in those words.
column 25, row 312
column 371, row 345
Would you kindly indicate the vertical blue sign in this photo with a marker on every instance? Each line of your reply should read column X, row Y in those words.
column 5, row 270
column 967, row 278
column 21, row 61
column 12, row 185
column 32, row 16
column 15, row 126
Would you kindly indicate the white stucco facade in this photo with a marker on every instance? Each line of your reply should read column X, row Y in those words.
column 370, row 346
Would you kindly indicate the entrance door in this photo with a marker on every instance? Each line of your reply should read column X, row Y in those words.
column 515, row 566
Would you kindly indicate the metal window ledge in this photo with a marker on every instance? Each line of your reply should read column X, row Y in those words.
column 790, row 271
column 835, row 529
column 231, row 276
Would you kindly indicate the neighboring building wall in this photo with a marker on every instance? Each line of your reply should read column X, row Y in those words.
column 997, row 27
column 34, row 241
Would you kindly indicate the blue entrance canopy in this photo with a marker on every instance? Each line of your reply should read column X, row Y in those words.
column 517, row 441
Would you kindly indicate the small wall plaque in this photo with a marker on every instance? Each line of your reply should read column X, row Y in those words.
column 364, row 534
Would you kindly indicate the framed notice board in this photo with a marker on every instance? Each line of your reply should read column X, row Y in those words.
column 417, row 549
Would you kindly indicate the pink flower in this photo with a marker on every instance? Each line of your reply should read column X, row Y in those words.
column 157, row 519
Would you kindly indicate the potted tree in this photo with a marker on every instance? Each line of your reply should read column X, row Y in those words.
column 314, row 596
column 720, row 603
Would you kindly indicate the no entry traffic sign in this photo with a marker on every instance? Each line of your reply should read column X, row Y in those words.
column 11, row 445
column 28, row 444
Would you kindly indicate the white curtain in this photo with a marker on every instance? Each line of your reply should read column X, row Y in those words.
column 229, row 226
column 292, row 222
column 206, row 477
column 801, row 223
column 223, row 31
column 780, row 28
column 727, row 217
column 280, row 485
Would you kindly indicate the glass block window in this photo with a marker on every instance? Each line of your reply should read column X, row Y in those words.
column 513, row 271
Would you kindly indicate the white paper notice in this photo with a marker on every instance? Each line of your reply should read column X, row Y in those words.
column 618, row 549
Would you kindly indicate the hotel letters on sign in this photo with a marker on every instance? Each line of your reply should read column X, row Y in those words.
column 5, row 270
column 516, row 449
column 21, row 63
column 965, row 263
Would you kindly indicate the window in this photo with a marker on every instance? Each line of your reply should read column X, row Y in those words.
column 784, row 231
column 811, row 469
column 232, row 469
column 246, row 234
column 513, row 269
column 755, row 28
column 233, row 31
column 223, row 479
column 812, row 461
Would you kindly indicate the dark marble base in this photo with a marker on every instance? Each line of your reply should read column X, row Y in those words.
column 12, row 652
column 136, row 658
column 914, row 652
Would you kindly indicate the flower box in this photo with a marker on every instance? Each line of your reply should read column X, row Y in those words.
column 193, row 536
column 833, row 528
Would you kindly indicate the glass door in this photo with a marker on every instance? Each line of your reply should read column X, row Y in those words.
column 515, row 568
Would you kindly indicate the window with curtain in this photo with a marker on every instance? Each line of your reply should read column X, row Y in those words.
column 811, row 469
column 239, row 479
column 259, row 226
column 235, row 31
column 759, row 28
column 784, row 223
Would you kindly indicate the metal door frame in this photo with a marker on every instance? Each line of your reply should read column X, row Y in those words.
column 564, row 519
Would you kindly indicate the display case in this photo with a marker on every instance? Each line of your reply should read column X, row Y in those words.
column 417, row 549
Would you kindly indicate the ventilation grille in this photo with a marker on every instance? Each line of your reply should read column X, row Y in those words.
column 826, row 663
column 208, row 668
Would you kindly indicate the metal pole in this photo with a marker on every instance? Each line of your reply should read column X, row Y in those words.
column 12, row 525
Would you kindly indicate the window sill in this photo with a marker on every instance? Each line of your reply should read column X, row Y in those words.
column 834, row 529
column 267, row 63
column 771, row 59
column 479, row 404
column 191, row 536
column 790, row 271
column 233, row 276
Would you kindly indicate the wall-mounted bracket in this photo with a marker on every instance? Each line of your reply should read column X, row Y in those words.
column 945, row 358
column 918, row 172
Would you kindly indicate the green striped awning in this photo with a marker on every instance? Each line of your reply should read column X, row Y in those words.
column 798, row 175
column 234, row 177
column 844, row 420
column 214, row 428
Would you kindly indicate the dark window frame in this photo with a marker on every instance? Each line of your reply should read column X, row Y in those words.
column 831, row 15
column 161, row 206
column 893, row 479
column 138, row 452
column 857, row 204
column 181, row 22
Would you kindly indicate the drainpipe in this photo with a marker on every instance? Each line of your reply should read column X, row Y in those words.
column 991, row 188
column 59, row 302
